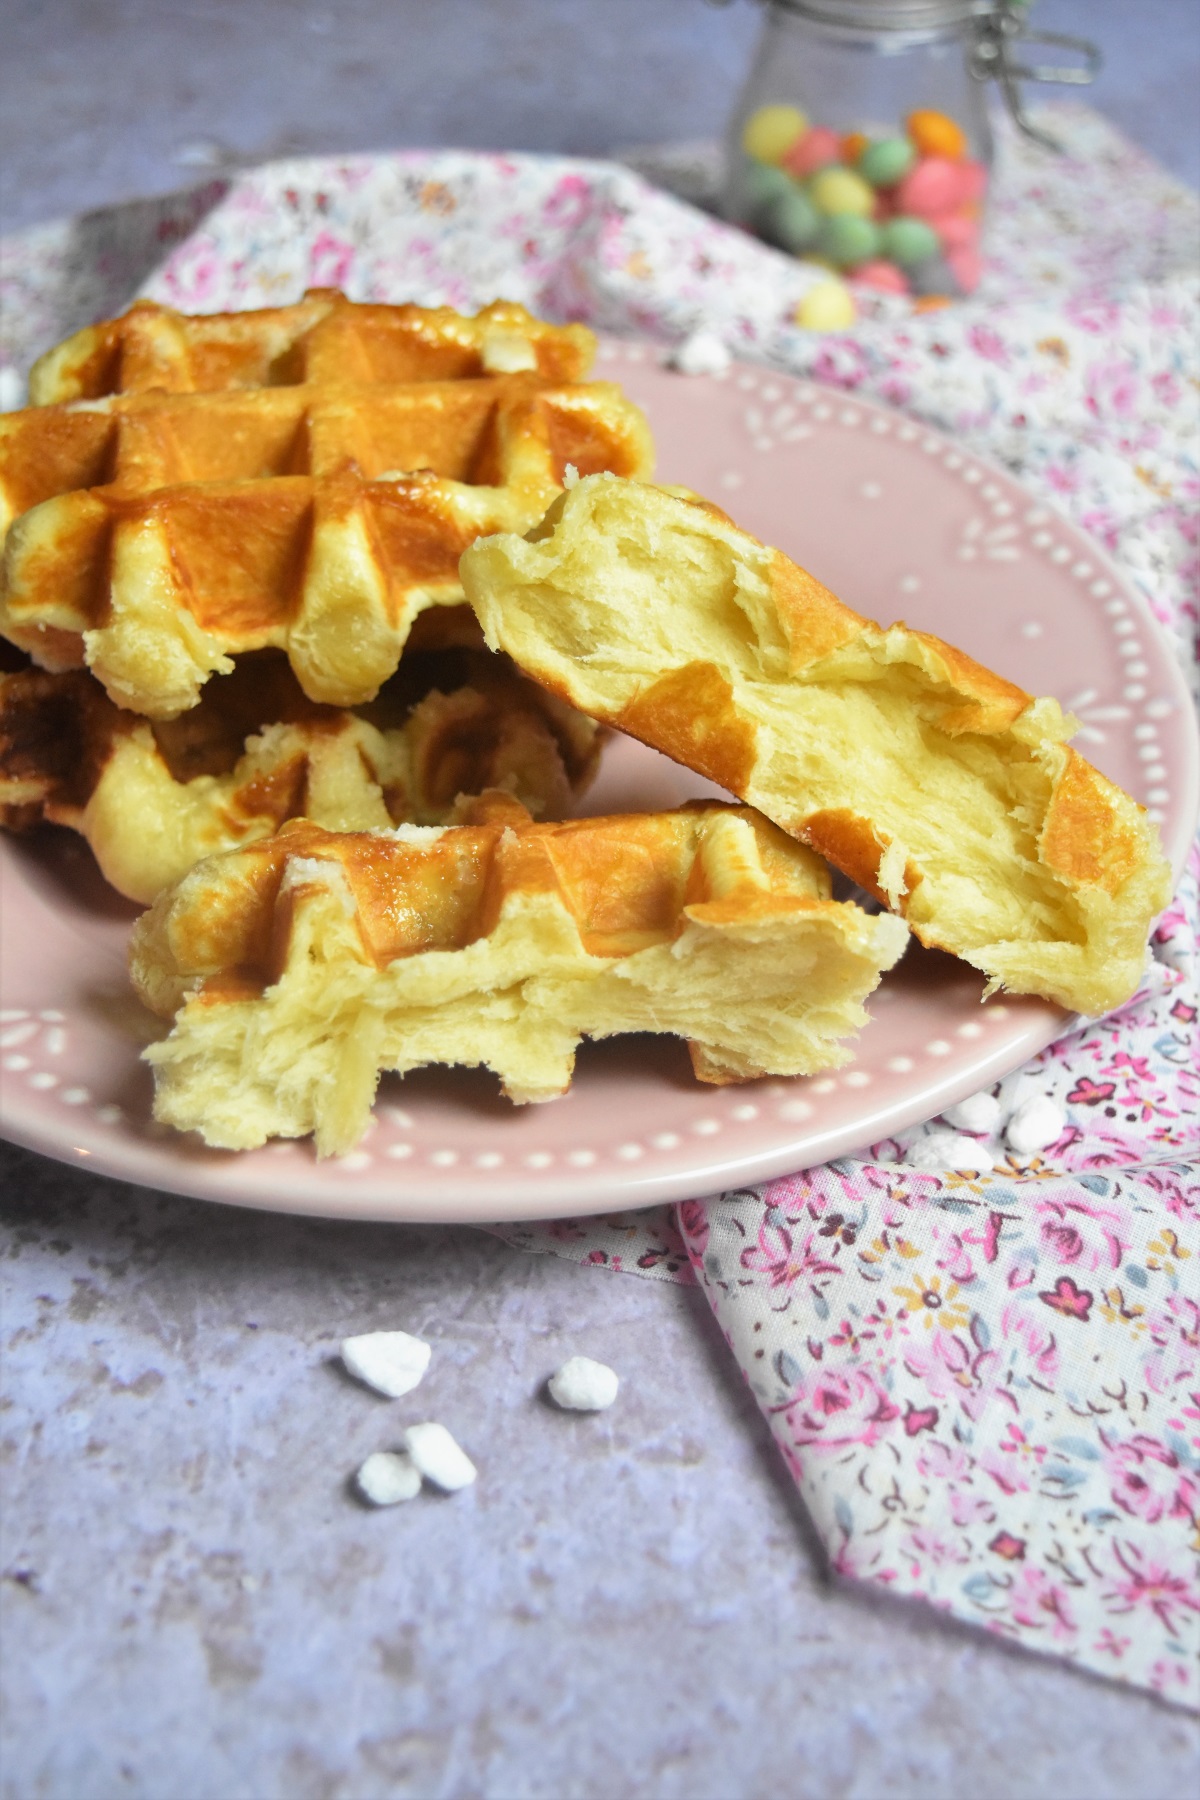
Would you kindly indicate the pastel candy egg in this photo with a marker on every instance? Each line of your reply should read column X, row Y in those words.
column 853, row 145
column 908, row 241
column 957, row 231
column 762, row 184
column 847, row 239
column 815, row 150
column 827, row 307
column 886, row 161
column 933, row 186
column 973, row 178
column 791, row 220
column 936, row 135
column 837, row 190
column 885, row 277
column 934, row 277
column 771, row 130
column 966, row 267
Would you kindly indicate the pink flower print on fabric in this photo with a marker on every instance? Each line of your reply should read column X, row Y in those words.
column 1145, row 1479
column 786, row 1260
column 1042, row 1604
column 1076, row 1232
column 832, row 1409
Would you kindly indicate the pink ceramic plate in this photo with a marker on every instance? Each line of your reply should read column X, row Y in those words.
column 897, row 520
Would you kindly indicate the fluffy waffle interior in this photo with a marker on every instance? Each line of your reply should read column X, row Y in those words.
column 299, row 968
column 941, row 788
column 152, row 800
column 305, row 479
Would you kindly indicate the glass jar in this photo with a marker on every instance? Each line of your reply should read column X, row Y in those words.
column 861, row 141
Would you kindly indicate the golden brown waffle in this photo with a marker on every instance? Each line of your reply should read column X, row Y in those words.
column 946, row 791
column 323, row 338
column 152, row 800
column 299, row 968
column 157, row 531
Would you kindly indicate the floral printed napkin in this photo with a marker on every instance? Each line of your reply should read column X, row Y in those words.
column 987, row 1388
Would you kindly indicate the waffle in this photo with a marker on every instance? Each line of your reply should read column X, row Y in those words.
column 944, row 790
column 297, row 969
column 153, row 800
column 323, row 338
column 177, row 515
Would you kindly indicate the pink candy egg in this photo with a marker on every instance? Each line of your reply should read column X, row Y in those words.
column 973, row 178
column 885, row 277
column 815, row 150
column 966, row 268
column 957, row 231
column 933, row 187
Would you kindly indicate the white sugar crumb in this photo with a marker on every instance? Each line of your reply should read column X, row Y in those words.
column 438, row 1457
column 1035, row 1125
column 391, row 1362
column 508, row 353
column 570, row 476
column 12, row 390
column 411, row 834
column 701, row 353
column 387, row 1478
column 582, row 1385
column 978, row 1112
column 946, row 1150
column 315, row 871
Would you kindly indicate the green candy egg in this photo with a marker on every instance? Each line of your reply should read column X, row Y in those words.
column 847, row 240
column 886, row 161
column 762, row 185
column 909, row 241
column 791, row 220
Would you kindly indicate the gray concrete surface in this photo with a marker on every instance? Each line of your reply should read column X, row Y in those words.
column 193, row 1607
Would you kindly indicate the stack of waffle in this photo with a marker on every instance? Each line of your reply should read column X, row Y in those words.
column 279, row 500
column 225, row 533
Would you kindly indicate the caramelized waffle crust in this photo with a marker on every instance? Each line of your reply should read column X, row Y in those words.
column 299, row 968
column 152, row 800
column 305, row 478
column 943, row 789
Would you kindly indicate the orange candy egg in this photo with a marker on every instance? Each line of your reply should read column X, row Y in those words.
column 936, row 135
column 853, row 145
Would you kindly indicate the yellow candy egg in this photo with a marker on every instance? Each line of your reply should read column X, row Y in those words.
column 841, row 191
column 771, row 131
column 827, row 307
column 936, row 135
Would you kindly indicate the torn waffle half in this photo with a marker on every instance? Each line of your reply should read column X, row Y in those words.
column 305, row 479
column 153, row 799
column 946, row 791
column 296, row 970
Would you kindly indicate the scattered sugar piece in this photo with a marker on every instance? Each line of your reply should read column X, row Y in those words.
column 1035, row 1124
column 439, row 1458
column 387, row 1478
column 978, row 1112
column 947, row 1150
column 703, row 353
column 507, row 353
column 391, row 1362
column 582, row 1385
column 12, row 390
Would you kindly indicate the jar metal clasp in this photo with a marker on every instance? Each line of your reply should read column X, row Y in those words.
column 998, row 30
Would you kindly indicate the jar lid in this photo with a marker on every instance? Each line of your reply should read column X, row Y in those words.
column 885, row 15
